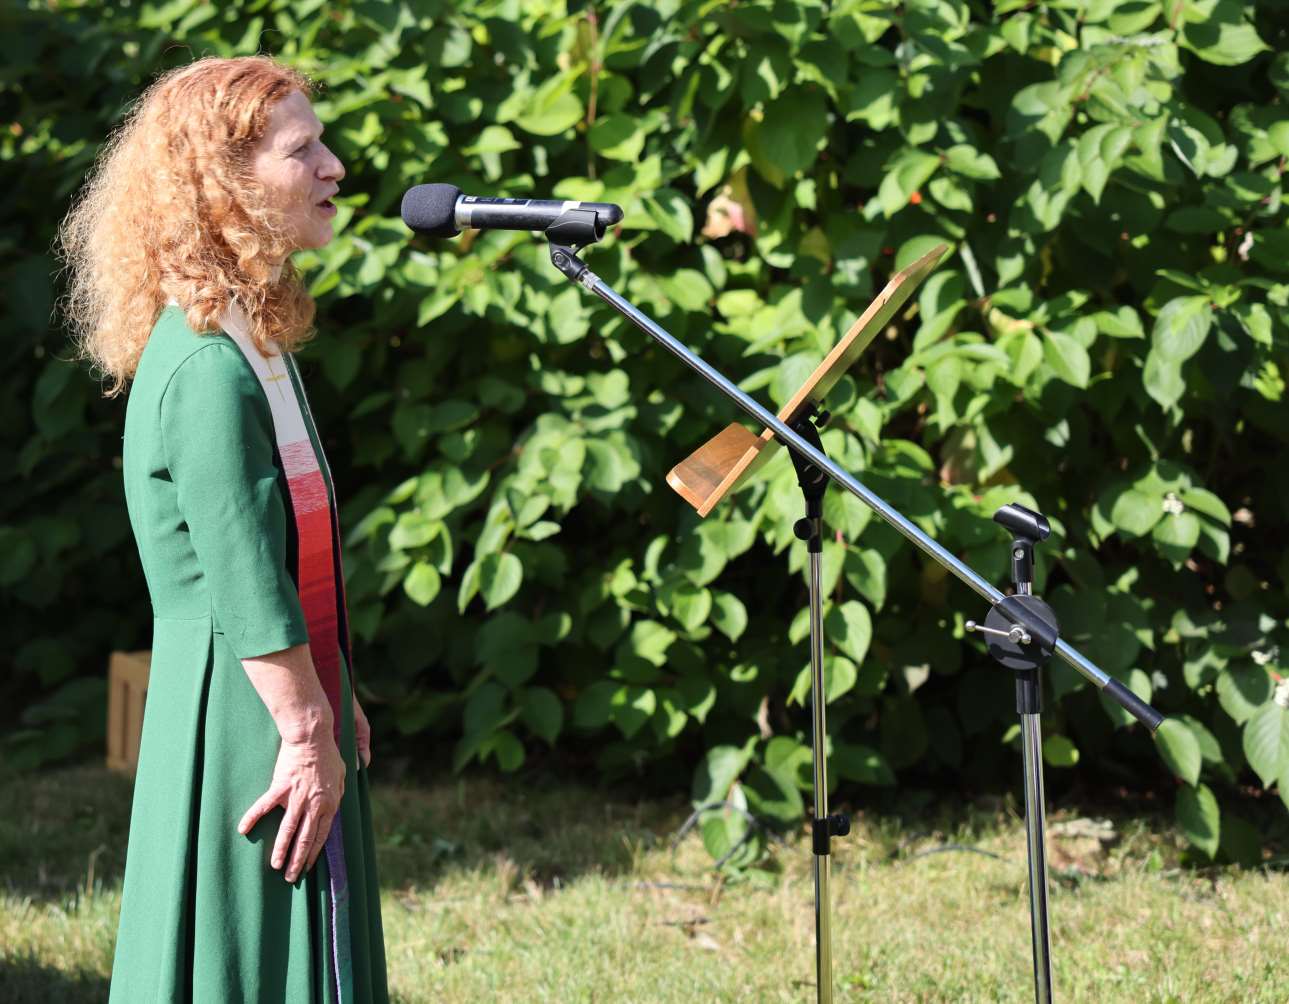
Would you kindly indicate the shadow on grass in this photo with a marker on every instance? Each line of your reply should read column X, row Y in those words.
column 65, row 828
column 545, row 830
column 60, row 830
column 25, row 981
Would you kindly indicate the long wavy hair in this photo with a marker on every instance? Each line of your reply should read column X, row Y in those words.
column 171, row 210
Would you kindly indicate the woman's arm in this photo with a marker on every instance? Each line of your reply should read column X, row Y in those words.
column 218, row 434
column 309, row 777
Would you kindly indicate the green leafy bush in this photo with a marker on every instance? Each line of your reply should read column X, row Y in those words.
column 1107, row 343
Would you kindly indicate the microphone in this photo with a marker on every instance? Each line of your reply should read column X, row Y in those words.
column 442, row 211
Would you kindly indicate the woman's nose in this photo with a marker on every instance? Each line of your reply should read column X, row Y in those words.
column 332, row 169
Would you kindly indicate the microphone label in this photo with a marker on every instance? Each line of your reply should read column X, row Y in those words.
column 487, row 200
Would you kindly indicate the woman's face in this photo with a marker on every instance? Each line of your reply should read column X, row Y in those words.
column 299, row 174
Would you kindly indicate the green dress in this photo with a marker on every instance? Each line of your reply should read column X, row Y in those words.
column 204, row 918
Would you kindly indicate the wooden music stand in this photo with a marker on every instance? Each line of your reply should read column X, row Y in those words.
column 720, row 465
column 725, row 462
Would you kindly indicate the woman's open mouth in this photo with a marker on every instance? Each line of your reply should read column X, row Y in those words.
column 327, row 207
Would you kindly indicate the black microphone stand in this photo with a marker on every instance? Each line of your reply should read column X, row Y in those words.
column 1024, row 621
column 1010, row 641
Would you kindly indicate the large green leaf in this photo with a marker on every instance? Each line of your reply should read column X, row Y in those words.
column 1180, row 749
column 719, row 769
column 908, row 172
column 972, row 163
column 594, row 705
column 422, row 583
column 1162, row 379
column 541, row 710
column 1176, row 534
column 1060, row 751
column 1199, row 817
column 773, row 795
column 1243, row 690
column 1217, row 32
column 691, row 605
column 850, row 627
column 552, row 109
column 862, row 764
column 499, row 578
column 1266, row 743
column 1181, row 327
column 1180, row 330
column 1067, row 357
column 619, row 137
column 787, row 138
column 1136, row 512
column 840, row 677
column 729, row 615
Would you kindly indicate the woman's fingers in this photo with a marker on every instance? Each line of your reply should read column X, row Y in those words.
column 286, row 832
column 271, row 799
column 324, row 831
column 303, row 846
column 362, row 734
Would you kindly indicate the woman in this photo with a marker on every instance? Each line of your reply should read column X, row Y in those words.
column 180, row 283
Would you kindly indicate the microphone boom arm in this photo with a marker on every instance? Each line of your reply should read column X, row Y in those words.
column 564, row 258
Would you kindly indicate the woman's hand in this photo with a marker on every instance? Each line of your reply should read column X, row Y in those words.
column 362, row 734
column 309, row 776
column 308, row 782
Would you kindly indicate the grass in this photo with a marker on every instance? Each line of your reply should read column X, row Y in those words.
column 551, row 892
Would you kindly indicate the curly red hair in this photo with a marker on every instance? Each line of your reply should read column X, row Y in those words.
column 171, row 210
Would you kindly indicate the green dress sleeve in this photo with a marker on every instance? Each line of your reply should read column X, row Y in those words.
column 217, row 433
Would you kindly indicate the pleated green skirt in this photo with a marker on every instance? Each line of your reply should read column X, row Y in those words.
column 204, row 918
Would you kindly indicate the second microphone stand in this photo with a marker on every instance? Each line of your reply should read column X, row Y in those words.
column 1021, row 633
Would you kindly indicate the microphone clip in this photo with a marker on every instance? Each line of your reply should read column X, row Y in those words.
column 576, row 228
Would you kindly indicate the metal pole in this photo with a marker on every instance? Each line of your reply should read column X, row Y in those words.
column 1032, row 740
column 818, row 703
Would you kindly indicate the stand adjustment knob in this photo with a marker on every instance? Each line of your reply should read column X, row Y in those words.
column 1016, row 634
column 823, row 830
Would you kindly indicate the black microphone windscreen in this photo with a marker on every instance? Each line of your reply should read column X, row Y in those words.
column 431, row 209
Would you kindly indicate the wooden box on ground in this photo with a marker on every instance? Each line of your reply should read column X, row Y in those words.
column 127, row 689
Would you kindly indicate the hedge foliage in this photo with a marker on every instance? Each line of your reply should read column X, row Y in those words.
column 1106, row 342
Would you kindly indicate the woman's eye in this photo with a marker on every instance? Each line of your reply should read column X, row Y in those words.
column 299, row 150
